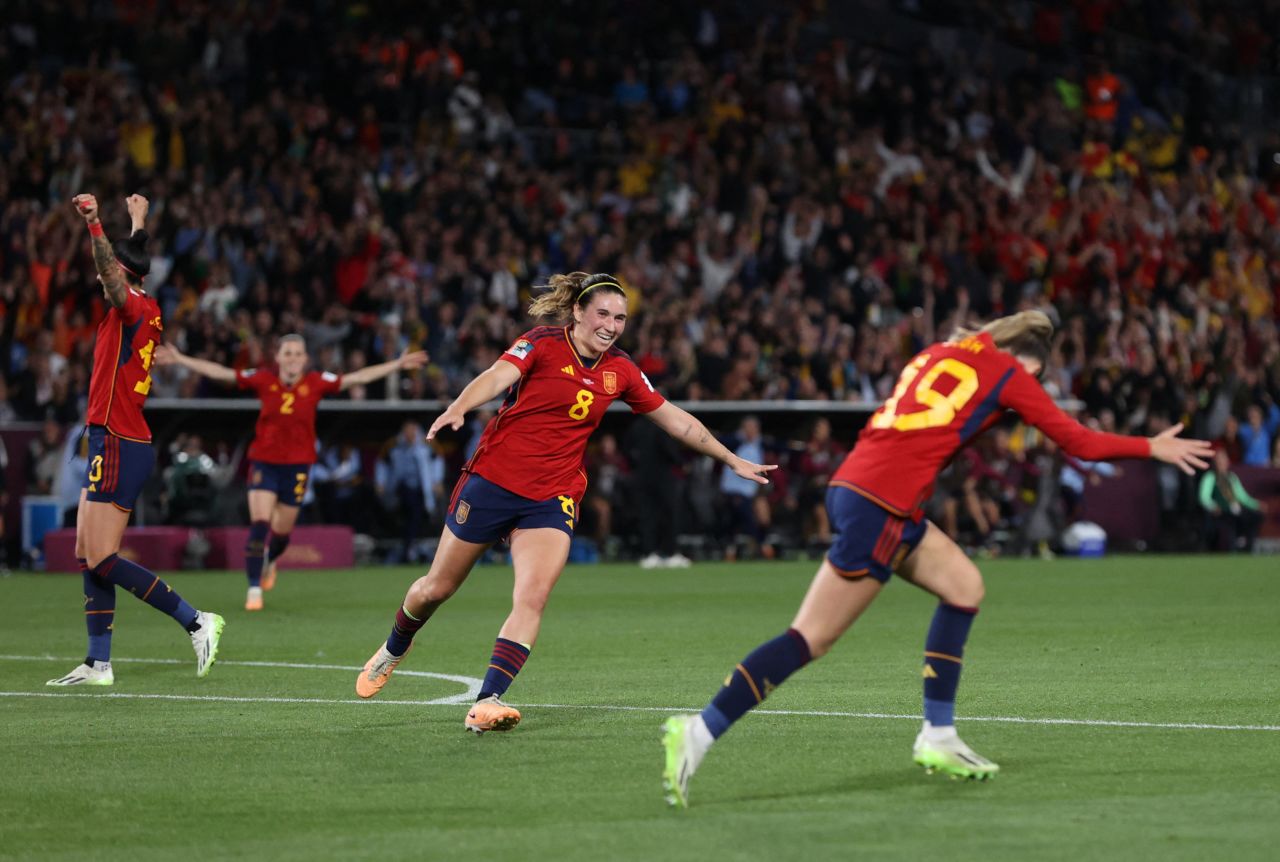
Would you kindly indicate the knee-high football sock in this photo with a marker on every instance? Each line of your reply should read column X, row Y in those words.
column 254, row 548
column 147, row 587
column 508, row 657
column 943, row 654
column 753, row 679
column 99, row 613
column 276, row 546
column 403, row 630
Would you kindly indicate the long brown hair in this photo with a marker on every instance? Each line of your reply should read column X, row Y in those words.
column 563, row 292
column 1027, row 333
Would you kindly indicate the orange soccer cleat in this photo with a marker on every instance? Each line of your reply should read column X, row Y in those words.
column 269, row 577
column 253, row 600
column 377, row 670
column 491, row 714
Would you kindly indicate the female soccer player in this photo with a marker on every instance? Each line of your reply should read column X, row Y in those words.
column 945, row 397
column 525, row 479
column 120, row 454
column 284, row 442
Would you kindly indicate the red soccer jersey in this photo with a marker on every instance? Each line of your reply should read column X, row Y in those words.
column 534, row 447
column 121, row 378
column 946, row 396
column 286, row 429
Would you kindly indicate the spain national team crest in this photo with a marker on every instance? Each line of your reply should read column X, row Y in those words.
column 611, row 382
column 303, row 390
column 460, row 514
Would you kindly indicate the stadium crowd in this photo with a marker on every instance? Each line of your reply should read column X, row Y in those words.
column 793, row 213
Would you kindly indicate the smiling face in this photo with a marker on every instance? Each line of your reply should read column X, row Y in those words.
column 600, row 323
column 292, row 358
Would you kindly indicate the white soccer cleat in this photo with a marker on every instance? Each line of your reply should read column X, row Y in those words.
column 99, row 674
column 947, row 753
column 653, row 561
column 676, row 561
column 204, row 641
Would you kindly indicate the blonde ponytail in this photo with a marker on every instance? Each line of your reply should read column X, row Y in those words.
column 1027, row 333
column 575, row 288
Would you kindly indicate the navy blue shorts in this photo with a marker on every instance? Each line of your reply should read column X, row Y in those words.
column 118, row 468
column 869, row 540
column 287, row 481
column 483, row 512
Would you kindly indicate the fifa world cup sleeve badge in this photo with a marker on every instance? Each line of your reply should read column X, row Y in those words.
column 460, row 514
column 611, row 382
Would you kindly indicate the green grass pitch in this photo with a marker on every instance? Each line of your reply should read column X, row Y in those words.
column 283, row 763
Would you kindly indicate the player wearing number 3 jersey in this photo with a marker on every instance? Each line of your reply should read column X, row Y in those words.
column 525, row 480
column 946, row 396
column 120, row 454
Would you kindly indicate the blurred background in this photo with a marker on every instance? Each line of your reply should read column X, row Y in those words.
column 796, row 199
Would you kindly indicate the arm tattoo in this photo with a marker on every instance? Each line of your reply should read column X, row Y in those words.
column 112, row 281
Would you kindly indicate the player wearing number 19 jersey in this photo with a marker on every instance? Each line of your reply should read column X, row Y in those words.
column 525, row 480
column 946, row 396
column 120, row 454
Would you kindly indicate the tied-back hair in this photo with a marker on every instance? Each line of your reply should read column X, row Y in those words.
column 565, row 291
column 132, row 255
column 1027, row 333
column 292, row 336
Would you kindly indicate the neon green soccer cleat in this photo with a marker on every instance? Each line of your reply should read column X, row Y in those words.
column 681, row 759
column 951, row 756
column 204, row 641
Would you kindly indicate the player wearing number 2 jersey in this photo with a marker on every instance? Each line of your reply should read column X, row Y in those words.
column 284, row 443
column 945, row 397
column 120, row 454
column 525, row 480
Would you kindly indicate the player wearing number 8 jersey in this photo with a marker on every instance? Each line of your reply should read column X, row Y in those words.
column 945, row 397
column 284, row 442
column 525, row 480
column 120, row 454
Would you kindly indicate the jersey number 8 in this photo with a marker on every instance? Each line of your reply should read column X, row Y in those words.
column 940, row 409
column 582, row 406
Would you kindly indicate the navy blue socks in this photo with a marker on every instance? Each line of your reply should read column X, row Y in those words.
column 752, row 680
column 99, row 613
column 943, row 654
column 275, row 547
column 146, row 586
column 508, row 657
column 254, row 549
column 403, row 630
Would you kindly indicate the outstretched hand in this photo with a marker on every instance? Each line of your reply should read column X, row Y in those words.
column 755, row 472
column 1187, row 455
column 413, row 361
column 166, row 354
column 451, row 417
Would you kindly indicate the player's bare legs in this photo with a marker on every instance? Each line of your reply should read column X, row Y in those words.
column 283, row 519
column 453, row 562
column 99, row 530
column 939, row 566
column 262, row 503
column 538, row 555
column 832, row 604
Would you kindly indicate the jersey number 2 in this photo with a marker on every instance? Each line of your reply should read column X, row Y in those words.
column 286, row 406
column 939, row 409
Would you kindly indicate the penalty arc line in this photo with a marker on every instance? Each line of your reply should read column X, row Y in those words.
column 472, row 682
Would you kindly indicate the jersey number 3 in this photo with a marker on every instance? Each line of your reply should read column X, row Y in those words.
column 939, row 409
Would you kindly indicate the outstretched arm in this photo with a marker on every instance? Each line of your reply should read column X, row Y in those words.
column 368, row 374
column 113, row 286
column 167, row 354
column 497, row 378
column 687, row 429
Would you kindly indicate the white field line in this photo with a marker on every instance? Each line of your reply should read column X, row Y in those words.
column 473, row 685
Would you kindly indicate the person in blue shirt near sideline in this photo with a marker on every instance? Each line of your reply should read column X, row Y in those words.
column 411, row 475
column 1256, row 434
column 749, row 510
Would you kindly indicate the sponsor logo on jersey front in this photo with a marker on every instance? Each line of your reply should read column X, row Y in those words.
column 568, row 369
column 611, row 382
column 521, row 349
